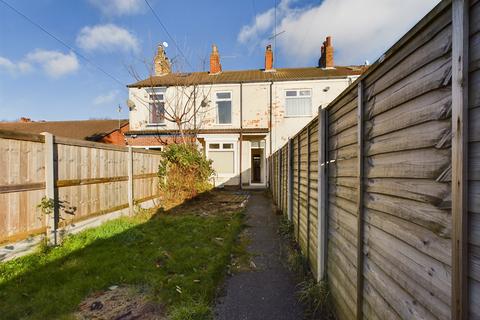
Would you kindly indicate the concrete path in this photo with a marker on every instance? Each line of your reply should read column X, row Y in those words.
column 269, row 291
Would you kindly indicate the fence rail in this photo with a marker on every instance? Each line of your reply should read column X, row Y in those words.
column 85, row 180
column 368, row 183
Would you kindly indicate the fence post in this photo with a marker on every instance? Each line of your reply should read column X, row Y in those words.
column 279, row 197
column 308, row 193
column 290, row 180
column 322, row 194
column 460, row 64
column 360, row 184
column 50, row 194
column 130, row 181
column 299, row 158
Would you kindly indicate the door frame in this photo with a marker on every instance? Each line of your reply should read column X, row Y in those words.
column 262, row 167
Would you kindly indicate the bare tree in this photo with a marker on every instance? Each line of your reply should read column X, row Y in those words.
column 184, row 103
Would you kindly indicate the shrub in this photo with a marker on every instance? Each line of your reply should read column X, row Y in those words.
column 184, row 172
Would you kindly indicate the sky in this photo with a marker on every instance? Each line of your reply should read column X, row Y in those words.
column 43, row 79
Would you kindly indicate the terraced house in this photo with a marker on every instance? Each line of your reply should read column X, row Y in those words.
column 238, row 117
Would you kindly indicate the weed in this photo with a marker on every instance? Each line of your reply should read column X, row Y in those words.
column 314, row 296
column 285, row 229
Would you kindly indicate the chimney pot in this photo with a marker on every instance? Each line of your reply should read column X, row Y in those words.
column 326, row 58
column 215, row 66
column 268, row 58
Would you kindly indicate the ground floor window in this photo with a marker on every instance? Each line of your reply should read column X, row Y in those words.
column 222, row 156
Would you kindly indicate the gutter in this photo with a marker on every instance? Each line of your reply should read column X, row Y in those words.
column 270, row 125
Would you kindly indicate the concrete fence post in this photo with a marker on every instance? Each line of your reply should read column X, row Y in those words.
column 299, row 163
column 309, row 181
column 322, row 195
column 50, row 194
column 279, row 196
column 290, row 180
column 360, row 191
column 130, row 181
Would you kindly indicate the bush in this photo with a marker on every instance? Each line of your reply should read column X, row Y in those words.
column 184, row 172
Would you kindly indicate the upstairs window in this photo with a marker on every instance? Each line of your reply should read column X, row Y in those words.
column 224, row 107
column 156, row 108
column 298, row 103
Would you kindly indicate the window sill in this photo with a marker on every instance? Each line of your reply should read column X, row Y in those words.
column 156, row 124
column 223, row 124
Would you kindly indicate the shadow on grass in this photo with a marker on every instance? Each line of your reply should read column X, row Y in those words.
column 178, row 259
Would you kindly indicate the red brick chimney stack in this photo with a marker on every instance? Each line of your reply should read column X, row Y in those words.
column 215, row 66
column 326, row 59
column 268, row 58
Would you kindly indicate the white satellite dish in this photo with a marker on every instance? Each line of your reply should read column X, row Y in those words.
column 165, row 44
column 130, row 104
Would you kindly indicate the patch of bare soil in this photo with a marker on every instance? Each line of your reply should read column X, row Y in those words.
column 214, row 202
column 119, row 303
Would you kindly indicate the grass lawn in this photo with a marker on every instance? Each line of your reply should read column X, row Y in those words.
column 178, row 259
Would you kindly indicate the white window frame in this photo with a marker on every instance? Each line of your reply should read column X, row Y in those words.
column 234, row 141
column 150, row 92
column 154, row 148
column 217, row 122
column 298, row 96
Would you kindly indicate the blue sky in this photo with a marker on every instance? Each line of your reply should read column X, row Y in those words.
column 41, row 79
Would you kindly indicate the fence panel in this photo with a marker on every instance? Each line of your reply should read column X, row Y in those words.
column 22, row 186
column 90, row 180
column 403, row 266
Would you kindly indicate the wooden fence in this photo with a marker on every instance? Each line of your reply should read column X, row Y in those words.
column 85, row 180
column 383, row 187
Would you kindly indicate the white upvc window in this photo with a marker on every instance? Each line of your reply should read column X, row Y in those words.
column 223, row 102
column 156, row 106
column 298, row 103
column 223, row 156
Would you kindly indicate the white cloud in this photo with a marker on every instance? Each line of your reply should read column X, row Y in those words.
column 54, row 63
column 118, row 7
column 107, row 98
column 360, row 29
column 14, row 68
column 108, row 38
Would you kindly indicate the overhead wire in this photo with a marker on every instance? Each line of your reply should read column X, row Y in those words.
column 168, row 33
column 62, row 42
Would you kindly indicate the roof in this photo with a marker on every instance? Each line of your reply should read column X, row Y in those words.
column 92, row 130
column 258, row 75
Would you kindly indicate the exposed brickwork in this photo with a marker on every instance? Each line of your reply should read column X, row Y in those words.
column 161, row 62
column 326, row 59
column 116, row 137
column 268, row 58
column 215, row 66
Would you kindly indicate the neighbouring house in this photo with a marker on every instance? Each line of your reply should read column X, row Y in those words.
column 238, row 117
column 105, row 131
